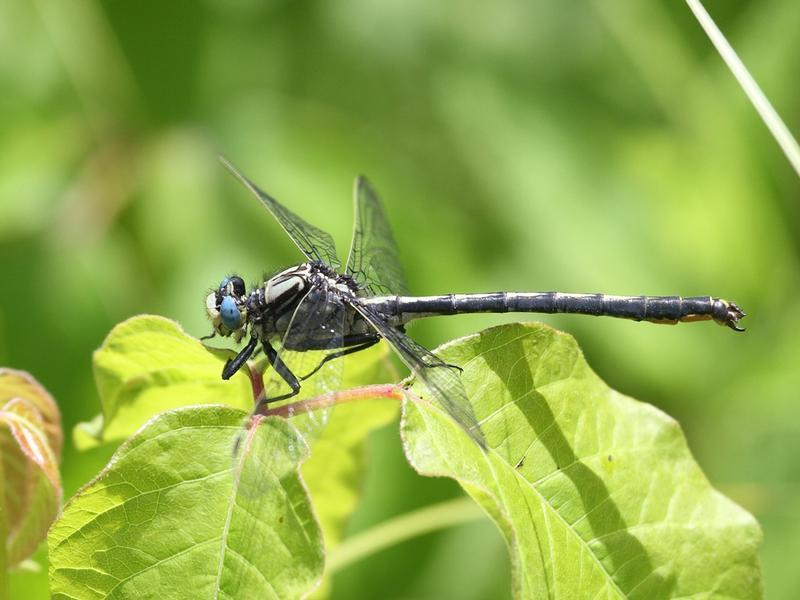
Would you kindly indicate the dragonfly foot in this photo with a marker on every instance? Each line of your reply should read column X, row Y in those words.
column 449, row 366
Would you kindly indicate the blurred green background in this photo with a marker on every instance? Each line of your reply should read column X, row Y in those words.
column 594, row 146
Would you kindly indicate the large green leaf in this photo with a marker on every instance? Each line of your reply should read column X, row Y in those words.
column 597, row 495
column 175, row 515
column 30, row 448
column 148, row 364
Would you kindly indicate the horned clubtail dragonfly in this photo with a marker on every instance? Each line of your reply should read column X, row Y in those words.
column 317, row 307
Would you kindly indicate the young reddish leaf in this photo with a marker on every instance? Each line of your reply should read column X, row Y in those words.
column 19, row 384
column 30, row 447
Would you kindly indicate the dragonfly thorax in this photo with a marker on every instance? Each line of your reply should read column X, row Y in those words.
column 269, row 308
column 284, row 288
column 272, row 307
column 278, row 298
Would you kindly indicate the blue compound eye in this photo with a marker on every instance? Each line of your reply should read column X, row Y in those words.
column 231, row 317
column 236, row 283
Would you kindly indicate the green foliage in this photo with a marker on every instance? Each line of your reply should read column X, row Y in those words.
column 148, row 365
column 583, row 147
column 336, row 469
column 175, row 515
column 30, row 483
column 595, row 493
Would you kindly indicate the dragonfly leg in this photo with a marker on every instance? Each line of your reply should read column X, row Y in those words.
column 451, row 366
column 236, row 363
column 440, row 363
column 282, row 370
column 370, row 341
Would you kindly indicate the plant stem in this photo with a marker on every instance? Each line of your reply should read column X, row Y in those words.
column 751, row 89
column 399, row 529
column 367, row 392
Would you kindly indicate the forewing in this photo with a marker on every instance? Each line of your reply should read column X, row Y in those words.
column 374, row 261
column 313, row 242
column 442, row 380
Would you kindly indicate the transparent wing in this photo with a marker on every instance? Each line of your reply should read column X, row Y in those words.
column 374, row 261
column 442, row 380
column 313, row 242
column 315, row 330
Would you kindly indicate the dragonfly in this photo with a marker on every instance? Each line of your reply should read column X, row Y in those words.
column 315, row 307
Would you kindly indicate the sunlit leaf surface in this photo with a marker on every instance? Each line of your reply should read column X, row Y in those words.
column 337, row 468
column 597, row 495
column 175, row 515
column 148, row 364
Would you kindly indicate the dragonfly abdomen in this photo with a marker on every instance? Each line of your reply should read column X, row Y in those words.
column 654, row 309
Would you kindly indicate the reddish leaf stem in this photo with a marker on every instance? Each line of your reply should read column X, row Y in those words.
column 386, row 390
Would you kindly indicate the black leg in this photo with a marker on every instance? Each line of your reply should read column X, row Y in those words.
column 236, row 363
column 440, row 363
column 340, row 353
column 282, row 370
column 209, row 336
column 452, row 366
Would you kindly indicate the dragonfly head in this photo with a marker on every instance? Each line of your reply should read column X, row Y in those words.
column 226, row 306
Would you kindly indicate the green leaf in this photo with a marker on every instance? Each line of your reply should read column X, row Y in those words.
column 337, row 467
column 174, row 515
column 30, row 448
column 147, row 365
column 597, row 495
